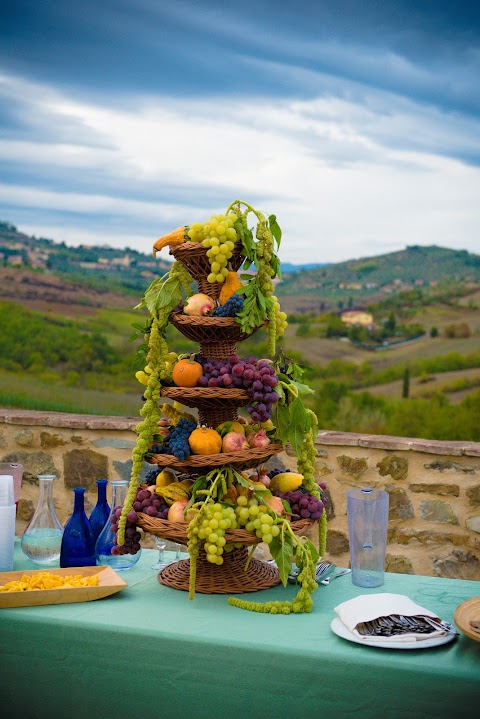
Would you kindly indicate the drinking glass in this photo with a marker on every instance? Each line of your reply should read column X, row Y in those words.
column 168, row 552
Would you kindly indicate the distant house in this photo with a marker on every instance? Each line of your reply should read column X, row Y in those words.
column 353, row 317
column 15, row 260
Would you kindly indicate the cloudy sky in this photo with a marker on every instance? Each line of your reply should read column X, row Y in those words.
column 356, row 122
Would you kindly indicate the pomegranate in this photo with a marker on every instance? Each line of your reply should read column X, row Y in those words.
column 258, row 439
column 234, row 442
column 199, row 305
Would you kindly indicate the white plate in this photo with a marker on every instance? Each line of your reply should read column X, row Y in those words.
column 339, row 628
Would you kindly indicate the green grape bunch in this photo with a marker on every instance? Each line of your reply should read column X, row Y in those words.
column 218, row 236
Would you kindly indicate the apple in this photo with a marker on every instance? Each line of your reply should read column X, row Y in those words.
column 176, row 512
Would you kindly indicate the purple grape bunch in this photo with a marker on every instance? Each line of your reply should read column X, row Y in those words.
column 257, row 377
column 303, row 505
column 145, row 501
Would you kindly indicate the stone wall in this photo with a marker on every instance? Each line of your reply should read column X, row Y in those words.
column 434, row 487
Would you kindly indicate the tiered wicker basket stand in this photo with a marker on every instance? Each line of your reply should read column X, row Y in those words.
column 218, row 338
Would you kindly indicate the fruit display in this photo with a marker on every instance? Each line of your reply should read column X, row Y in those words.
column 211, row 487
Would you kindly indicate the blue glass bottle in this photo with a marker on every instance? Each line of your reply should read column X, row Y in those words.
column 78, row 542
column 101, row 511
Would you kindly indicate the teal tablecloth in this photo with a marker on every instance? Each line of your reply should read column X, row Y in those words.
column 149, row 652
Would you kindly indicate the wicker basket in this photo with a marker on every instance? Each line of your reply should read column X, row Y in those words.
column 177, row 531
column 215, row 405
column 228, row 578
column 240, row 460
column 208, row 330
column 194, row 256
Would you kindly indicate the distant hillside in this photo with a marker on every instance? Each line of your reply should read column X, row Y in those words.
column 366, row 280
column 43, row 269
column 287, row 267
column 98, row 267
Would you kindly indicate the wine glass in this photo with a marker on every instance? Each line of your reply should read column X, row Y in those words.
column 161, row 544
column 164, row 546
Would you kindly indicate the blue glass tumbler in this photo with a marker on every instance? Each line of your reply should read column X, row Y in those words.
column 101, row 511
column 78, row 542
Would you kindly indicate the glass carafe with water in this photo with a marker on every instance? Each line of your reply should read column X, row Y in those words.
column 367, row 511
column 42, row 539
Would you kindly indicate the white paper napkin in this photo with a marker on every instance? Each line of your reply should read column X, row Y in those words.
column 367, row 607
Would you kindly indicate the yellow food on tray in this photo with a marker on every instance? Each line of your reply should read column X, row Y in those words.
column 47, row 580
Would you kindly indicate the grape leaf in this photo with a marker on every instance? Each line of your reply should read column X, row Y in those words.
column 281, row 420
column 299, row 424
column 275, row 229
column 282, row 552
column 302, row 388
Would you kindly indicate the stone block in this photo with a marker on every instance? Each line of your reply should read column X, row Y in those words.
column 398, row 564
column 396, row 467
column 50, row 441
column 322, row 468
column 435, row 510
column 352, row 466
column 25, row 509
column 442, row 489
column 473, row 523
column 426, row 536
column 441, row 465
column 329, row 505
column 473, row 494
column 82, row 467
column 400, row 506
column 3, row 440
column 34, row 463
column 458, row 564
column 115, row 443
column 337, row 543
column 25, row 437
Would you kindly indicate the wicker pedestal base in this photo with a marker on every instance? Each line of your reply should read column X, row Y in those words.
column 228, row 578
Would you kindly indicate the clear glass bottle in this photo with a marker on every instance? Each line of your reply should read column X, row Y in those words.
column 106, row 540
column 42, row 539
column 78, row 542
column 101, row 511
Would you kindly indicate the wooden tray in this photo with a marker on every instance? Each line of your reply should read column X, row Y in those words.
column 108, row 583
column 466, row 612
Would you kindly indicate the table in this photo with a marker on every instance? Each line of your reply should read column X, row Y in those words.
column 149, row 652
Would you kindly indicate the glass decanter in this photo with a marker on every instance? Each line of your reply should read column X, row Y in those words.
column 106, row 540
column 78, row 542
column 42, row 539
column 101, row 511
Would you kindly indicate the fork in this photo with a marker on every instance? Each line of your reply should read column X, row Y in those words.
column 327, row 580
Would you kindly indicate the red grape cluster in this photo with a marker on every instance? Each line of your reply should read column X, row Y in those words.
column 145, row 501
column 303, row 505
column 257, row 377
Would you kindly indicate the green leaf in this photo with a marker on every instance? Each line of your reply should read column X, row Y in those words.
column 275, row 229
column 299, row 424
column 281, row 420
column 282, row 552
column 302, row 388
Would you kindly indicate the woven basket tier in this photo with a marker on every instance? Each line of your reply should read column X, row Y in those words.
column 215, row 404
column 177, row 531
column 194, row 257
column 209, row 330
column 228, row 578
column 207, row 396
column 240, row 460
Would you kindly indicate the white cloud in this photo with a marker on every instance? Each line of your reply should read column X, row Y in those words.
column 345, row 178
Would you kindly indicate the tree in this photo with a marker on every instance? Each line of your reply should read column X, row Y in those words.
column 406, row 383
